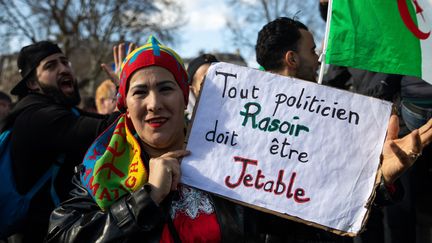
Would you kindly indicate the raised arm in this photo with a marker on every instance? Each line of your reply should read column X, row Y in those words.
column 119, row 54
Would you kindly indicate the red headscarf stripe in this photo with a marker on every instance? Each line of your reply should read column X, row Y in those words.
column 152, row 54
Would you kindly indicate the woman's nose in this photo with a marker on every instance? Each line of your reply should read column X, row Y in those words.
column 153, row 101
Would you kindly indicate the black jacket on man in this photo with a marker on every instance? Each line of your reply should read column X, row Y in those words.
column 42, row 130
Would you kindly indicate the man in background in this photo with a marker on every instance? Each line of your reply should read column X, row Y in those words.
column 47, row 130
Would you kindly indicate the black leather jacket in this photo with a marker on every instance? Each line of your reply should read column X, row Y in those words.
column 138, row 219
column 42, row 130
column 134, row 218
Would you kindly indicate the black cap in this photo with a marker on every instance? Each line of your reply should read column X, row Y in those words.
column 197, row 62
column 29, row 58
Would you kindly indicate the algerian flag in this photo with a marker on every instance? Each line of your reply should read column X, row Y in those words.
column 388, row 36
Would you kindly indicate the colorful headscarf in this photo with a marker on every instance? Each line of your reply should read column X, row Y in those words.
column 152, row 54
column 112, row 165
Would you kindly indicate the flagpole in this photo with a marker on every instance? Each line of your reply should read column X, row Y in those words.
column 326, row 35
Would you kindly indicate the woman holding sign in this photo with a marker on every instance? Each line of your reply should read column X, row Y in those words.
column 128, row 186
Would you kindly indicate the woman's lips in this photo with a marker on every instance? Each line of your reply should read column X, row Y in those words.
column 157, row 122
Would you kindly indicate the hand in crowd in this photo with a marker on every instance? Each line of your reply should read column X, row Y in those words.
column 119, row 54
column 400, row 154
column 165, row 174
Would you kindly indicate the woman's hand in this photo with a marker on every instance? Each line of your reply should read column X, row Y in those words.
column 400, row 154
column 165, row 174
column 119, row 54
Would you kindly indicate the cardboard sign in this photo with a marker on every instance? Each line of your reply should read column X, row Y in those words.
column 286, row 145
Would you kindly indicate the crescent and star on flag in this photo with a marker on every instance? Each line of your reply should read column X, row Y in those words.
column 409, row 22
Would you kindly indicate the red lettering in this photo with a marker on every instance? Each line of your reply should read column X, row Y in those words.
column 133, row 167
column 269, row 189
column 278, row 188
column 120, row 130
column 290, row 185
column 244, row 165
column 247, row 179
column 280, row 183
column 94, row 155
column 104, row 194
column 93, row 187
column 130, row 184
column 87, row 173
column 258, row 177
column 300, row 192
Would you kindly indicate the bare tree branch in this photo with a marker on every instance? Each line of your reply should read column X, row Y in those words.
column 249, row 16
column 16, row 19
column 87, row 29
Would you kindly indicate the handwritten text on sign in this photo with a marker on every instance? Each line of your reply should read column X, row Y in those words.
column 287, row 145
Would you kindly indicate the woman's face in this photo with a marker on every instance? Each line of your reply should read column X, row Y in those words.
column 156, row 107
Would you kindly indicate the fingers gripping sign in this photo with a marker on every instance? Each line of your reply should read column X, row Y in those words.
column 400, row 154
column 165, row 174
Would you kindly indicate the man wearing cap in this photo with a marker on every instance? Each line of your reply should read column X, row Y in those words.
column 197, row 69
column 47, row 128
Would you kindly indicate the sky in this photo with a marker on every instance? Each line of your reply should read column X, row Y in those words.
column 206, row 28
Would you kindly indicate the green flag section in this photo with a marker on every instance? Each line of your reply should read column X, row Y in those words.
column 382, row 36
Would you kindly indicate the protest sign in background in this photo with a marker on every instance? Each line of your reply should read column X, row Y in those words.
column 291, row 146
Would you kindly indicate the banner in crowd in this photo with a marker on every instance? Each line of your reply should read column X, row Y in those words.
column 382, row 36
column 294, row 147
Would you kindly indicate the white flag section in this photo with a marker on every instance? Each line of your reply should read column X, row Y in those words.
column 291, row 146
column 424, row 20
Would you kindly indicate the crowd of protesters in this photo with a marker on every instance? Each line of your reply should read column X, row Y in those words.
column 142, row 106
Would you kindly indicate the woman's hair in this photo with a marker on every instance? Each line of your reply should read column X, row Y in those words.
column 106, row 90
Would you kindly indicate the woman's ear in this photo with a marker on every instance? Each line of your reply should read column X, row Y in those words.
column 127, row 114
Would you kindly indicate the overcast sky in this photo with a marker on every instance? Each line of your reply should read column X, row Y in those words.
column 206, row 28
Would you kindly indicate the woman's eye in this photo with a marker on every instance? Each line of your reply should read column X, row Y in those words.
column 166, row 88
column 140, row 92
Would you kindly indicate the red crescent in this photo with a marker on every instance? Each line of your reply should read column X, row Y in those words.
column 406, row 17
